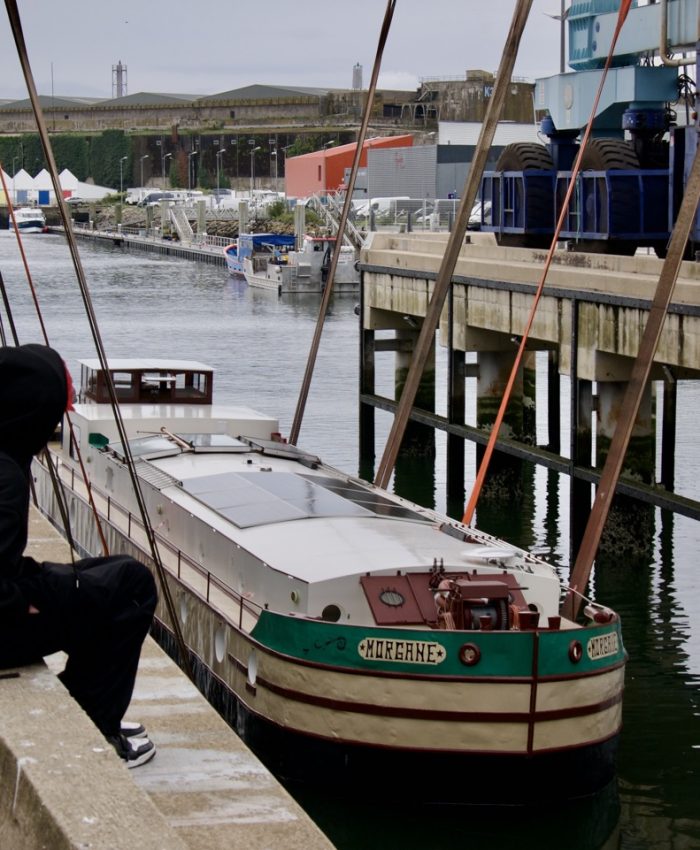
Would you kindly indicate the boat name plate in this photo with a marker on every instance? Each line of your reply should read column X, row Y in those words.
column 603, row 646
column 402, row 651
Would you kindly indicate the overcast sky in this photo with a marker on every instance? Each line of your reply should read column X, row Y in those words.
column 213, row 46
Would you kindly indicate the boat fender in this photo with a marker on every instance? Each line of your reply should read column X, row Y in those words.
column 575, row 651
column 469, row 654
column 598, row 613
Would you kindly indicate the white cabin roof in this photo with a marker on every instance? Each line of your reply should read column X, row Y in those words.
column 129, row 363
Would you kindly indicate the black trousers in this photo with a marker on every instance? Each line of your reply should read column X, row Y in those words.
column 99, row 612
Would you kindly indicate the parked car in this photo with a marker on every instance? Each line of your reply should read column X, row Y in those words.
column 153, row 198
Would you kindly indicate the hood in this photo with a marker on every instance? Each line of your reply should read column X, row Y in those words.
column 33, row 396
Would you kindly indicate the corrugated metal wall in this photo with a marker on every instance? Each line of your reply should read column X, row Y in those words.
column 403, row 171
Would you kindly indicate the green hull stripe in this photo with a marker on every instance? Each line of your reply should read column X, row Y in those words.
column 437, row 653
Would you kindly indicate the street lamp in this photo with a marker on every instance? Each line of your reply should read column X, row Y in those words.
column 235, row 142
column 284, row 154
column 219, row 154
column 189, row 167
column 163, row 157
column 273, row 154
column 121, row 174
column 145, row 156
column 252, row 169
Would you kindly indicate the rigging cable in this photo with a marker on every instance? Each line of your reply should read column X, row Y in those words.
column 18, row 35
column 493, row 436
column 326, row 297
column 53, row 472
column 426, row 336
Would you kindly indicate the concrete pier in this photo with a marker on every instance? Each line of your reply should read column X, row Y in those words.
column 589, row 321
column 64, row 787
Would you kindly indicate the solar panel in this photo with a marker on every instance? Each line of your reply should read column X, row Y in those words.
column 262, row 498
column 251, row 499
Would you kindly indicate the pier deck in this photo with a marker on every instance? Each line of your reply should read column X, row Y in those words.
column 64, row 787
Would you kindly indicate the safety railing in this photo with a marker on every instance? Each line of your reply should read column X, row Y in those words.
column 174, row 559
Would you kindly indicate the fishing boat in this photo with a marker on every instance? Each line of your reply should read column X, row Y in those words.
column 350, row 636
column 305, row 270
column 29, row 220
column 253, row 245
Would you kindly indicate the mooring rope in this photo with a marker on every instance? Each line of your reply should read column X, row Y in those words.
column 18, row 35
column 53, row 474
column 426, row 336
column 493, row 436
column 326, row 297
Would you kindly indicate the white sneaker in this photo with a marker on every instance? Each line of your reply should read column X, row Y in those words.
column 133, row 753
column 130, row 729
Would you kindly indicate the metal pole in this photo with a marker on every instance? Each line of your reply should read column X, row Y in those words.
column 145, row 156
column 121, row 174
column 219, row 154
column 167, row 156
column 189, row 168
column 562, row 49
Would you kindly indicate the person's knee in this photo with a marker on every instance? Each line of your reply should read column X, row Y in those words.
column 142, row 578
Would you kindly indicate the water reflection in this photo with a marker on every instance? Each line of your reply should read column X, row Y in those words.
column 258, row 345
column 380, row 825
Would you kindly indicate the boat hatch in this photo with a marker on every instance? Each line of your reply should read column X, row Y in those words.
column 254, row 499
column 472, row 601
column 147, row 447
column 275, row 448
column 158, row 445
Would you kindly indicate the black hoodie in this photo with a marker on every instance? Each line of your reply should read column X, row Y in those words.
column 33, row 397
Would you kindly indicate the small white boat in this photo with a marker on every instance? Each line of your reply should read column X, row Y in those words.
column 29, row 220
column 305, row 270
column 255, row 245
column 348, row 635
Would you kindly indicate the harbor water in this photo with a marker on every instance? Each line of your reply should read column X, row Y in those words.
column 258, row 344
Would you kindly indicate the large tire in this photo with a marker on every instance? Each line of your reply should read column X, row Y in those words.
column 539, row 202
column 611, row 155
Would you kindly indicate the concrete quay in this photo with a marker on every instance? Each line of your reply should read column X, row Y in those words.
column 64, row 786
column 213, row 255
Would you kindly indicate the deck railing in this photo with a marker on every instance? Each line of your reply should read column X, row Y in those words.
column 125, row 522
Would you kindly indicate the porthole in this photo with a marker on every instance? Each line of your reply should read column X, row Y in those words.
column 252, row 668
column 392, row 598
column 469, row 654
column 183, row 608
column 331, row 613
column 220, row 643
column 575, row 651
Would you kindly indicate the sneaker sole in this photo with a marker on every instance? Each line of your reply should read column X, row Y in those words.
column 141, row 759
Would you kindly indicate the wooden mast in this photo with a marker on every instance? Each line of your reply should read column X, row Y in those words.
column 454, row 245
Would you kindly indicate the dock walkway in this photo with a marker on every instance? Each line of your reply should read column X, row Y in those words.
column 64, row 787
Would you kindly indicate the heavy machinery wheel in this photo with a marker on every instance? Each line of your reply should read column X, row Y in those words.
column 539, row 205
column 612, row 155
